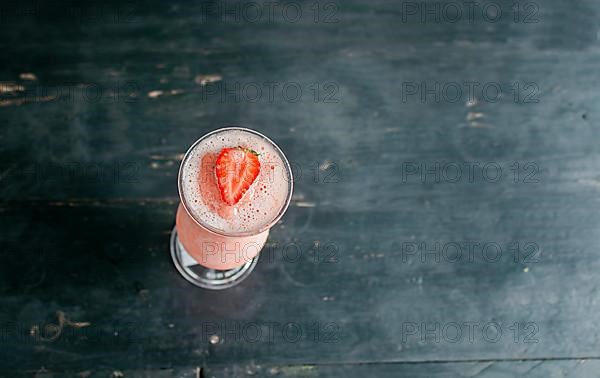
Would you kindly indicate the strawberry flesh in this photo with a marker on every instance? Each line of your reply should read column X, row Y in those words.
column 236, row 169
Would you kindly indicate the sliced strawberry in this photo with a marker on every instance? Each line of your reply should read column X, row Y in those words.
column 236, row 170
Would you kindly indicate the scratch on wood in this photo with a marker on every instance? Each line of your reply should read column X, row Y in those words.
column 171, row 92
column 176, row 157
column 29, row 76
column 471, row 103
column 532, row 368
column 161, row 161
column 154, row 94
column 483, row 368
column 325, row 165
column 52, row 332
column 8, row 87
column 24, row 100
column 480, row 125
column 594, row 183
column 471, row 116
column 303, row 370
column 305, row 204
column 202, row 80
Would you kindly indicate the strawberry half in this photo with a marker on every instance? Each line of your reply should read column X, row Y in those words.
column 236, row 170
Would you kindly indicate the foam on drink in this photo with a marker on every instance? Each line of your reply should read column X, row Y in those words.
column 261, row 204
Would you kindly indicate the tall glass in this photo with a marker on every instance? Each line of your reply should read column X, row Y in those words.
column 214, row 245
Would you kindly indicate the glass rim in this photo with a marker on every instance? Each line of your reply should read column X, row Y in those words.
column 214, row 230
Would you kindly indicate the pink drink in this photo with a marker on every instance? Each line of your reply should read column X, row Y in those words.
column 219, row 236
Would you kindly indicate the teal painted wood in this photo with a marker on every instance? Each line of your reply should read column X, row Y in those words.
column 485, row 369
column 495, row 369
column 346, row 300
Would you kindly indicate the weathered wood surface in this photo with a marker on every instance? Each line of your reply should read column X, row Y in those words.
column 98, row 103
column 482, row 369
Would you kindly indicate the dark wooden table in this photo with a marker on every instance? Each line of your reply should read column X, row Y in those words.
column 445, row 215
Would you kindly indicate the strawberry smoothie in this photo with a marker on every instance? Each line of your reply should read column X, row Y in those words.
column 234, row 184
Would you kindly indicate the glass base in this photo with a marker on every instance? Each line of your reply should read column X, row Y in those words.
column 203, row 277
